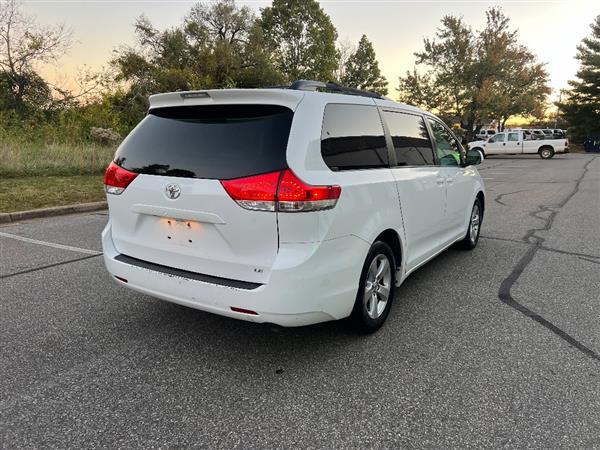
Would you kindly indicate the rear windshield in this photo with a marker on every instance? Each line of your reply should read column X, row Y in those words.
column 219, row 142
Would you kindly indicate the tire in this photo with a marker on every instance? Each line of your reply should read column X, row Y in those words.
column 480, row 149
column 369, row 315
column 474, row 227
column 546, row 152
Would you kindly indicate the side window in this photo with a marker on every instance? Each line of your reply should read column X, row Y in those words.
column 498, row 138
column 513, row 137
column 411, row 139
column 352, row 138
column 448, row 150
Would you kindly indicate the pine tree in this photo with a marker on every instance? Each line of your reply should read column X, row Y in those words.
column 582, row 107
column 362, row 69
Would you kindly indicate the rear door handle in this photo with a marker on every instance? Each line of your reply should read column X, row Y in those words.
column 440, row 181
column 449, row 180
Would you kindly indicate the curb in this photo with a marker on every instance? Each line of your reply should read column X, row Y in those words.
column 50, row 212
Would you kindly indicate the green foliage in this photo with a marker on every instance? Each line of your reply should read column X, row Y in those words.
column 217, row 46
column 474, row 77
column 581, row 109
column 301, row 38
column 362, row 69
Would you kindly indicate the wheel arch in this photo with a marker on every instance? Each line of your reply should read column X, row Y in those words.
column 391, row 237
column 546, row 146
column 481, row 196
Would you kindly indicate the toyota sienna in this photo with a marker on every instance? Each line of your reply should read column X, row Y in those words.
column 290, row 205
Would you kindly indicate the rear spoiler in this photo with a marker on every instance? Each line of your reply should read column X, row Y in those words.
column 283, row 97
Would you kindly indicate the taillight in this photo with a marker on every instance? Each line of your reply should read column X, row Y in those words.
column 116, row 179
column 257, row 192
column 294, row 195
column 281, row 191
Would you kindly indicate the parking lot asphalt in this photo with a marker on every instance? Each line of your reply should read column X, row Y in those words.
column 495, row 347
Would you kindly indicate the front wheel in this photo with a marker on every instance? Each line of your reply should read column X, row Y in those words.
column 480, row 149
column 375, row 290
column 472, row 237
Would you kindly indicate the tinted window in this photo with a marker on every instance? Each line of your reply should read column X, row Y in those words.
column 512, row 137
column 448, row 151
column 219, row 141
column 411, row 139
column 353, row 138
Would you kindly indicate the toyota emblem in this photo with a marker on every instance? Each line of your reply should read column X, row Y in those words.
column 173, row 191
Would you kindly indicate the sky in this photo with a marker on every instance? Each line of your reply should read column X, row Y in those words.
column 551, row 29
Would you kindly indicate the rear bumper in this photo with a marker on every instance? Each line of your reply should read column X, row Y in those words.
column 309, row 283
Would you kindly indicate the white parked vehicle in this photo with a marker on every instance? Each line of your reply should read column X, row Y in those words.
column 514, row 142
column 288, row 206
column 485, row 134
column 537, row 134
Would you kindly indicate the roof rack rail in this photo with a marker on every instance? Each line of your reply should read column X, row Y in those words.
column 311, row 85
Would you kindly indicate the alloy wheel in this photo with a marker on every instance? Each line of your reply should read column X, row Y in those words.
column 378, row 286
column 474, row 226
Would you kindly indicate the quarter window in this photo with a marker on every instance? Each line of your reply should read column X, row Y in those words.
column 448, row 150
column 352, row 138
column 411, row 139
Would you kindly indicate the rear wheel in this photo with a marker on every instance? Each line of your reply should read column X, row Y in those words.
column 546, row 152
column 472, row 237
column 375, row 289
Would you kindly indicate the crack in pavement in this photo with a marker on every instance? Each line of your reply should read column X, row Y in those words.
column 536, row 242
column 589, row 260
column 499, row 196
column 543, row 247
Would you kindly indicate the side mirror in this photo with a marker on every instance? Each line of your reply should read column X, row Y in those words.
column 474, row 157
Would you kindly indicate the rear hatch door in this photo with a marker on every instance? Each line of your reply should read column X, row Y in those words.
column 176, row 212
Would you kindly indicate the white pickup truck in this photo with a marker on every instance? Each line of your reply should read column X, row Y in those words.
column 514, row 142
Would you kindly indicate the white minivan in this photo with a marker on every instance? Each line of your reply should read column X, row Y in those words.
column 290, row 205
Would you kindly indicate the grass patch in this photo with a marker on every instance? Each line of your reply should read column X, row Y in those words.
column 24, row 193
column 19, row 158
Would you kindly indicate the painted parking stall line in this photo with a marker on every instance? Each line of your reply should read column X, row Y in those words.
column 50, row 244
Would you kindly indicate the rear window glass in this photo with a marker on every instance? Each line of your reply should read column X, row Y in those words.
column 352, row 138
column 219, row 141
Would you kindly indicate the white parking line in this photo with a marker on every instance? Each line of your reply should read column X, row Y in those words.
column 50, row 244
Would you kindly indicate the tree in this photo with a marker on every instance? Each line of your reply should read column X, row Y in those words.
column 581, row 109
column 514, row 83
column 474, row 77
column 301, row 38
column 233, row 42
column 362, row 70
column 219, row 45
column 24, row 44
